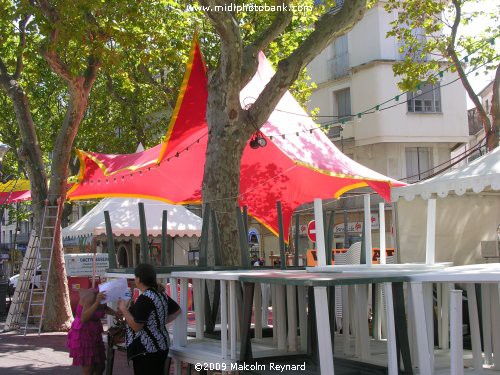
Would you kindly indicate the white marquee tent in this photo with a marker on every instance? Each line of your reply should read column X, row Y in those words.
column 467, row 212
column 124, row 216
column 182, row 225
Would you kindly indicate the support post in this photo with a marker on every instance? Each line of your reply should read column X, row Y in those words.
column 383, row 255
column 367, row 229
column 111, row 241
column 296, row 240
column 144, row 234
column 346, row 228
column 320, row 232
column 165, row 259
column 430, row 246
column 281, row 236
column 245, row 259
column 456, row 342
column 328, row 240
column 205, row 226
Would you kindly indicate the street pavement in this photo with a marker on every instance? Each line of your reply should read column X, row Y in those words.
column 45, row 354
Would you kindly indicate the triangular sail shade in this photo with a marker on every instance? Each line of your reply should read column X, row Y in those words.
column 296, row 166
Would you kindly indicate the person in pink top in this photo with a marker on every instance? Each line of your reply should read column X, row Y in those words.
column 85, row 336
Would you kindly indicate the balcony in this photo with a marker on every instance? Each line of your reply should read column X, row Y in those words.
column 338, row 67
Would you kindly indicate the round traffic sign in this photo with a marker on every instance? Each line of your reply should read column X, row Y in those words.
column 311, row 230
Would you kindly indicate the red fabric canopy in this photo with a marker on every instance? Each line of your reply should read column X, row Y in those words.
column 297, row 165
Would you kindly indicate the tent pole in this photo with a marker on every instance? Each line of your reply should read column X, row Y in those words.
column 328, row 240
column 93, row 269
column 164, row 238
column 320, row 232
column 368, row 231
column 381, row 209
column 245, row 261
column 245, row 219
column 395, row 232
column 111, row 241
column 281, row 236
column 144, row 234
column 205, row 226
column 431, row 232
column 296, row 240
column 346, row 226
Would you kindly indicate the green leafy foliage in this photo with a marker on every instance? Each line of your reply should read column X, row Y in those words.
column 424, row 29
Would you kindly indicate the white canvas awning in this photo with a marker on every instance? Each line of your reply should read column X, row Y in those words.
column 481, row 174
column 124, row 216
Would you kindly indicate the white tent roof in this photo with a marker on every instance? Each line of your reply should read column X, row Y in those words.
column 124, row 216
column 477, row 176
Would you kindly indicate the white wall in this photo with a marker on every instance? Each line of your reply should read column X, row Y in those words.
column 390, row 158
column 461, row 224
column 377, row 84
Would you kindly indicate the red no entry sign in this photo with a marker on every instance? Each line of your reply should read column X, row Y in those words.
column 311, row 230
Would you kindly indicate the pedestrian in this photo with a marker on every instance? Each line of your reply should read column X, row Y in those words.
column 85, row 336
column 147, row 337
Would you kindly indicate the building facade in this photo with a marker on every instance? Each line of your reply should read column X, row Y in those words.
column 408, row 141
column 409, row 136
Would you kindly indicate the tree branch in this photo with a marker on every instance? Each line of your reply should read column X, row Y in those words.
column 250, row 53
column 22, row 45
column 49, row 53
column 90, row 72
column 278, row 25
column 57, row 66
column 328, row 28
column 48, row 11
column 231, row 55
column 450, row 49
column 4, row 74
column 495, row 107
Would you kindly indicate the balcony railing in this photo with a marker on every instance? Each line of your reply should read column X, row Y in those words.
column 338, row 66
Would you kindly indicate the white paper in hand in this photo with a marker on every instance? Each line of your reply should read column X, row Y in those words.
column 115, row 290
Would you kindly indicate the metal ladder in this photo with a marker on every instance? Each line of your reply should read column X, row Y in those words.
column 38, row 254
column 23, row 284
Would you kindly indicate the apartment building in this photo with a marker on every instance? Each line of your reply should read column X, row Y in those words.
column 410, row 140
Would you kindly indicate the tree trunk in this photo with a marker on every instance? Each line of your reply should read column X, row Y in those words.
column 230, row 126
column 488, row 131
column 221, row 179
column 58, row 310
column 57, row 307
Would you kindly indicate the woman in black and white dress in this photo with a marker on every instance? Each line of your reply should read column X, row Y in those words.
column 147, row 337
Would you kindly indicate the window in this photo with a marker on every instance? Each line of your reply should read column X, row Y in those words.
column 418, row 163
column 338, row 66
column 343, row 101
column 425, row 100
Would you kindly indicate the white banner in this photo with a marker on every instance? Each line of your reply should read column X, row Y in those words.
column 81, row 264
column 356, row 226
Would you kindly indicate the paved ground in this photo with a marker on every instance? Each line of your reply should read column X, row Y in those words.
column 44, row 354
